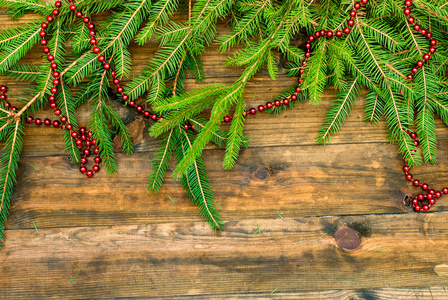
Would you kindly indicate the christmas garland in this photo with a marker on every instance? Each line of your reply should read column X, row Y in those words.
column 381, row 44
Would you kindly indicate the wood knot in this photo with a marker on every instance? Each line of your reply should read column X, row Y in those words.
column 262, row 174
column 349, row 239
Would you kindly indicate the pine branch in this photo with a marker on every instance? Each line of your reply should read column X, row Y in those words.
column 9, row 162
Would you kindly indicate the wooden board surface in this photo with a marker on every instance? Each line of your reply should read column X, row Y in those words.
column 108, row 238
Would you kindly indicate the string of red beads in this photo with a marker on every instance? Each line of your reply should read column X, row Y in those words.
column 422, row 202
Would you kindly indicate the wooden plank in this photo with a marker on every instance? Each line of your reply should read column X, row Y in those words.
column 292, row 181
column 292, row 255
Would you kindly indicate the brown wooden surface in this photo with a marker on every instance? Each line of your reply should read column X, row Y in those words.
column 121, row 242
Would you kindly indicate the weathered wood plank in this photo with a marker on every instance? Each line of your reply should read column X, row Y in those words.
column 401, row 251
column 292, row 181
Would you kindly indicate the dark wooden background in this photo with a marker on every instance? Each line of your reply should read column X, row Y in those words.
column 107, row 237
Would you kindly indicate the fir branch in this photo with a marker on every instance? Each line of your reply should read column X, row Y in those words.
column 235, row 136
column 9, row 161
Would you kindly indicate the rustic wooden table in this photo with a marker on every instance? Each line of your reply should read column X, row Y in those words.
column 293, row 212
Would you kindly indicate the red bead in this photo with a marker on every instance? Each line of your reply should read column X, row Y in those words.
column 86, row 20
column 429, row 35
column 55, row 12
column 432, row 49
column 78, row 142
column 113, row 73
column 412, row 135
column 96, row 50
column 269, row 105
column 63, row 119
column 54, row 90
column 96, row 150
column 261, row 108
column 415, row 201
column 417, row 27
column 252, row 111
column 88, row 143
column 410, row 76
column 352, row 13
column 89, row 173
column 425, row 208
column 364, row 1
column 57, row 112
column 56, row 123
column 96, row 169
column 407, row 11
column 86, row 152
column 83, row 169
column 432, row 192
column 346, row 30
column 38, row 121
column 407, row 3
column 139, row 108
column 414, row 70
column 120, row 90
column 92, row 32
column 3, row 97
column 43, row 42
column 106, row 66
column 438, row 194
column 411, row 20
column 406, row 169
column 432, row 201
column 425, row 186
column 339, row 33
column 55, row 74
column 423, row 31
column 44, row 25
column 58, row 4
column 419, row 63
column 307, row 55
column 82, row 130
column 298, row 90
column 277, row 102
column 91, row 26
column 53, row 105
column 72, row 7
column 417, row 208
column 47, row 122
column 69, row 126
column 350, row 22
column 322, row 32
column 97, row 160
column 301, row 71
column 227, row 119
column 317, row 34
column 409, row 177
column 357, row 5
column 3, row 88
column 101, row 58
column 93, row 41
column 147, row 114
column 286, row 101
column 415, row 143
column 74, row 135
column 427, row 56
column 430, row 196
column 42, row 33
column 30, row 119
column 307, row 45
column 154, row 117
column 79, row 14
column 416, row 182
column 49, row 19
column 126, row 98
column 116, row 81
column 46, row 50
column 433, row 42
column 83, row 160
column 445, row 190
column 420, row 197
column 54, row 66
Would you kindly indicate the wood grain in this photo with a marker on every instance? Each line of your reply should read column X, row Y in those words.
column 108, row 238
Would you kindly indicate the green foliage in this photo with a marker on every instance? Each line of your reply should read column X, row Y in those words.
column 377, row 55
